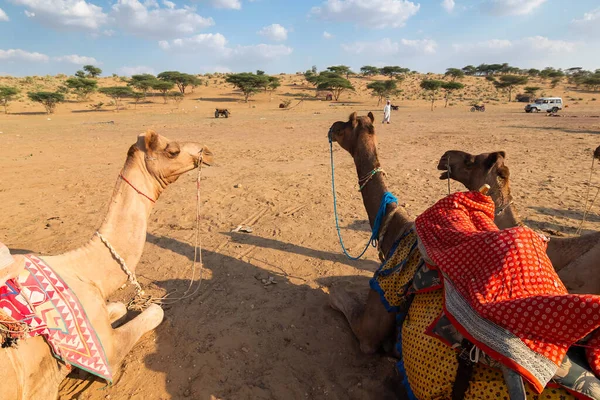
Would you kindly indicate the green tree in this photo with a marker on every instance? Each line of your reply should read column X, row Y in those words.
column 259, row 72
column 82, row 87
column 163, row 87
column 393, row 70
column 93, row 72
column 592, row 82
column 469, row 70
column 273, row 83
column 532, row 90
column 369, row 70
column 383, row 89
column 116, row 93
column 533, row 72
column 137, row 97
column 432, row 86
column 450, row 87
column 341, row 70
column 510, row 82
column 181, row 79
column 80, row 74
column 48, row 99
column 7, row 94
column 455, row 73
column 247, row 82
column 335, row 83
column 142, row 82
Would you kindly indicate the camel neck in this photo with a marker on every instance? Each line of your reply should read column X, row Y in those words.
column 365, row 160
column 124, row 227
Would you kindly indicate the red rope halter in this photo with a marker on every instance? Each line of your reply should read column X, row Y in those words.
column 136, row 189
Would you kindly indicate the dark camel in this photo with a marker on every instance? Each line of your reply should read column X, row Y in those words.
column 576, row 259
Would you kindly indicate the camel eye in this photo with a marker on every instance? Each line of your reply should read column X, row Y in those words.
column 172, row 152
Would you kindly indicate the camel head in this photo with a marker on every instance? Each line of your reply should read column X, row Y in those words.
column 165, row 159
column 597, row 153
column 474, row 171
column 356, row 130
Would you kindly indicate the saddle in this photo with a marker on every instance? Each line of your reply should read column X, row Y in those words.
column 501, row 303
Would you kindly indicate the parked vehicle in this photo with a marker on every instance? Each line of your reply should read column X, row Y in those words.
column 478, row 108
column 548, row 104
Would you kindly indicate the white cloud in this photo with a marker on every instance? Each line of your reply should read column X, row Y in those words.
column 78, row 60
column 137, row 70
column 387, row 47
column 448, row 5
column 29, row 14
column 22, row 55
column 72, row 14
column 368, row 13
column 215, row 46
column 228, row 4
column 155, row 22
column 3, row 16
column 526, row 45
column 169, row 4
column 327, row 35
column 511, row 7
column 275, row 32
column 590, row 23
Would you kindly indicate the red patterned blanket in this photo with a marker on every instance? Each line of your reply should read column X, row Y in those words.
column 42, row 300
column 500, row 289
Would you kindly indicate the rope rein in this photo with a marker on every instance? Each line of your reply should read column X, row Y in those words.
column 586, row 210
column 139, row 302
column 136, row 189
column 386, row 199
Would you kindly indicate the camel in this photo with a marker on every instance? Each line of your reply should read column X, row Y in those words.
column 574, row 258
column 371, row 322
column 153, row 162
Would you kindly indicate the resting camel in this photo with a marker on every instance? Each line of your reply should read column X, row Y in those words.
column 371, row 323
column 29, row 371
column 576, row 259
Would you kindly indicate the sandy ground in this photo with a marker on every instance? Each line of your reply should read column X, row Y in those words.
column 237, row 339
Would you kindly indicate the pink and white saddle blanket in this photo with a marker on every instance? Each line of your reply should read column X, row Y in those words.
column 40, row 302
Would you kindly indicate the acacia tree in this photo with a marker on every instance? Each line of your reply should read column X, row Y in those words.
column 454, row 73
column 393, row 70
column 93, row 72
column 48, row 99
column 469, row 70
column 450, row 87
column 341, row 70
column 116, row 93
column 432, row 86
column 510, row 82
column 142, row 82
column 335, row 83
column 82, row 87
column 369, row 70
column 248, row 83
column 181, row 79
column 273, row 83
column 382, row 89
column 7, row 94
column 532, row 90
column 163, row 87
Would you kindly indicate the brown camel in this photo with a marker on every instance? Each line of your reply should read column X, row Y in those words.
column 576, row 259
column 371, row 322
column 153, row 162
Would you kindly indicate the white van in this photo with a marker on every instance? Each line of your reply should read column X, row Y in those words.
column 549, row 104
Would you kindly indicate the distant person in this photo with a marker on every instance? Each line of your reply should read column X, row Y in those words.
column 387, row 112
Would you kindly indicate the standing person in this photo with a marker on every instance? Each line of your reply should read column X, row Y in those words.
column 387, row 112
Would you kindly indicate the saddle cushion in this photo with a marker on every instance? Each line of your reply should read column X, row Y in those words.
column 39, row 298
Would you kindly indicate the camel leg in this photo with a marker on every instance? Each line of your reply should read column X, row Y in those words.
column 126, row 336
column 116, row 311
column 370, row 322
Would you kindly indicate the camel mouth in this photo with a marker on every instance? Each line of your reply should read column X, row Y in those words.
column 444, row 175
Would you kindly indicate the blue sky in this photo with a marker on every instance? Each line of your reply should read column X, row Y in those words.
column 39, row 37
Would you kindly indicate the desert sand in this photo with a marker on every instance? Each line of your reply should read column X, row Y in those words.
column 239, row 339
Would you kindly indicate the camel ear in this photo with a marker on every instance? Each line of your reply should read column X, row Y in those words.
column 493, row 158
column 151, row 140
column 353, row 119
column 371, row 116
column 503, row 172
